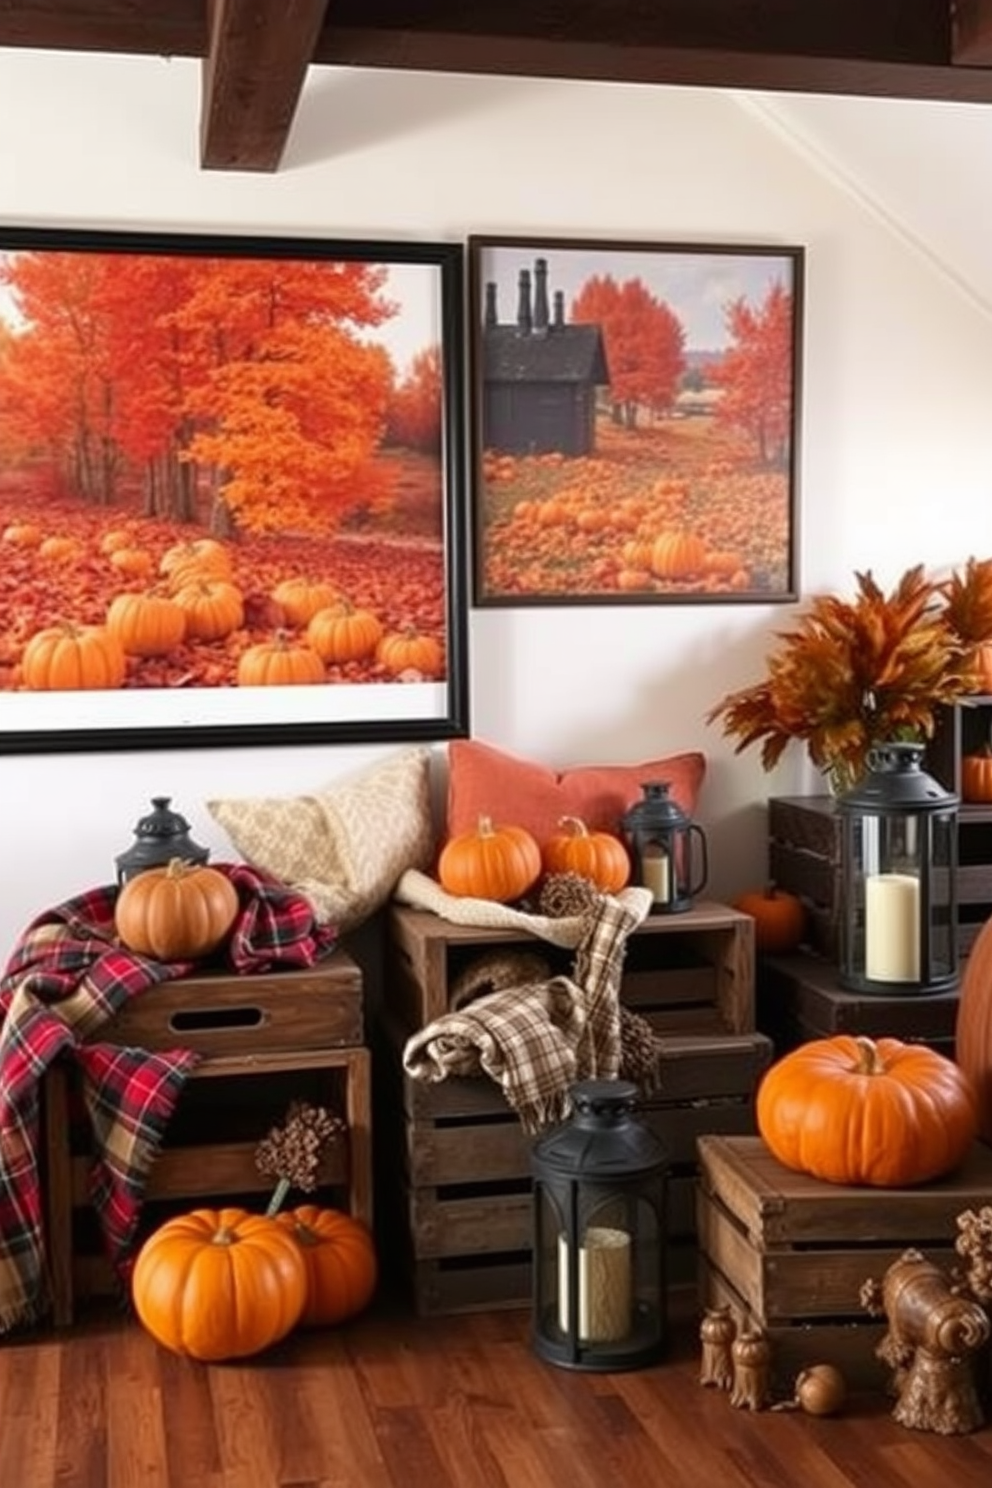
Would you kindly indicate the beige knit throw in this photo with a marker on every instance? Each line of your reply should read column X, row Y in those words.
column 538, row 1040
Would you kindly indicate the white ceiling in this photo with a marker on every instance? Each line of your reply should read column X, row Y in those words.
column 925, row 168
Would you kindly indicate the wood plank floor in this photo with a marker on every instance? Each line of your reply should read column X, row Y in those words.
column 389, row 1401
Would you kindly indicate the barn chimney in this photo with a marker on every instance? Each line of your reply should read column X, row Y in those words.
column 541, row 296
column 491, row 318
column 559, row 307
column 524, row 321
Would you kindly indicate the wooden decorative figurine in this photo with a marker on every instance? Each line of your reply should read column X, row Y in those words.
column 752, row 1355
column 933, row 1334
column 717, row 1332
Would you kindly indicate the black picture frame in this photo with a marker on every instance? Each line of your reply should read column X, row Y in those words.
column 300, row 401
column 635, row 421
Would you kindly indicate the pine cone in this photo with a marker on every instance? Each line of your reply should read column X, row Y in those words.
column 563, row 895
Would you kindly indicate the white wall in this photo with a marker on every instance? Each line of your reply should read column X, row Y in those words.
column 897, row 442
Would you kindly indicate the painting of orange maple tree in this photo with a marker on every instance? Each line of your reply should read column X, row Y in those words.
column 636, row 422
column 220, row 474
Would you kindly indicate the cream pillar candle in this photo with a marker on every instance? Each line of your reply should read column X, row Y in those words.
column 605, row 1285
column 654, row 871
column 892, row 927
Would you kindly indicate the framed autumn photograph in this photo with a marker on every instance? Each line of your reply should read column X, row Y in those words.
column 232, row 505
column 635, row 421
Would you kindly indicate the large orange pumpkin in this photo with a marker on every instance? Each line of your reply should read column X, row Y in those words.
column 973, row 1035
column 69, row 657
column 597, row 856
column 341, row 633
column 213, row 608
column 340, row 1260
column 499, row 863
column 146, row 624
column 219, row 1284
column 176, row 912
column 677, row 554
column 779, row 918
column 861, row 1111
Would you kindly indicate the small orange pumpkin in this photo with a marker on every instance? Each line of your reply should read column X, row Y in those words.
column 213, row 608
column 678, row 555
column 302, row 598
column 976, row 775
column 864, row 1111
column 498, row 863
column 146, row 624
column 23, row 535
column 280, row 663
column 597, row 856
column 410, row 650
column 219, row 1283
column 73, row 658
column 177, row 912
column 779, row 918
column 134, row 562
column 342, row 633
column 340, row 1258
column 60, row 549
column 200, row 555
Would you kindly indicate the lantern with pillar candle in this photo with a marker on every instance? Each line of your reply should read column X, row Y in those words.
column 668, row 851
column 898, row 865
column 600, row 1194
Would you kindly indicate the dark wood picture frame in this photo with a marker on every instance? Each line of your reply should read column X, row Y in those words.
column 298, row 402
column 635, row 421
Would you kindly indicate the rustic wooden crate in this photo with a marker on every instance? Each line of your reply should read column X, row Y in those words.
column 799, row 998
column 261, row 1037
column 687, row 973
column 317, row 1007
column 459, row 1187
column 804, row 857
column 790, row 1253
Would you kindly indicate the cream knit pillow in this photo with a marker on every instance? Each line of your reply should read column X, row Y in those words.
column 345, row 846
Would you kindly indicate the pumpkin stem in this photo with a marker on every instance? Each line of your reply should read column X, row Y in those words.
column 224, row 1236
column 869, row 1060
column 486, row 828
column 278, row 1197
column 574, row 826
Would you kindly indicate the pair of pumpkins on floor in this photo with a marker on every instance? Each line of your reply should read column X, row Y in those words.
column 219, row 1284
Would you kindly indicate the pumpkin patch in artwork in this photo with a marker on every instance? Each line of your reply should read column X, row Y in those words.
column 976, row 775
column 857, row 1110
column 973, row 1034
column 219, row 1284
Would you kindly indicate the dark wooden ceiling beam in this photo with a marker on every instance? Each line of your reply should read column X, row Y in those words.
column 972, row 35
column 253, row 74
column 529, row 57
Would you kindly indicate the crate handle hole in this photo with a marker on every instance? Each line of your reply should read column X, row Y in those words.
column 207, row 1018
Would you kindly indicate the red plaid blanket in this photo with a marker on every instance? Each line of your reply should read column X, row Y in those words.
column 66, row 977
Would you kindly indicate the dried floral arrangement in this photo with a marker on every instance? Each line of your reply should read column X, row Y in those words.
column 855, row 673
column 290, row 1154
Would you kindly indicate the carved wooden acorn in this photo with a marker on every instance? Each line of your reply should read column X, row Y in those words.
column 751, row 1352
column 717, row 1332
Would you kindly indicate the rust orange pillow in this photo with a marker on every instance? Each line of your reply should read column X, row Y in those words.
column 483, row 781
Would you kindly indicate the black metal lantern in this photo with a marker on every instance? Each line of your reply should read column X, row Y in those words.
column 668, row 850
column 898, row 859
column 159, row 837
column 600, row 1230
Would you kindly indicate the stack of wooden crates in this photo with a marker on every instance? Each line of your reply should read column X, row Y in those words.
column 264, row 1040
column 454, row 1162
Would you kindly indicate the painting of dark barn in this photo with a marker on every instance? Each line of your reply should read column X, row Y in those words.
column 635, row 421
column 539, row 374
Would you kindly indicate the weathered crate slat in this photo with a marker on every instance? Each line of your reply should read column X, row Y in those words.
column 799, row 998
column 317, row 1007
column 691, row 972
column 791, row 1253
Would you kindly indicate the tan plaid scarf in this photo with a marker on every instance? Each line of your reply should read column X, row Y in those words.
column 538, row 1039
